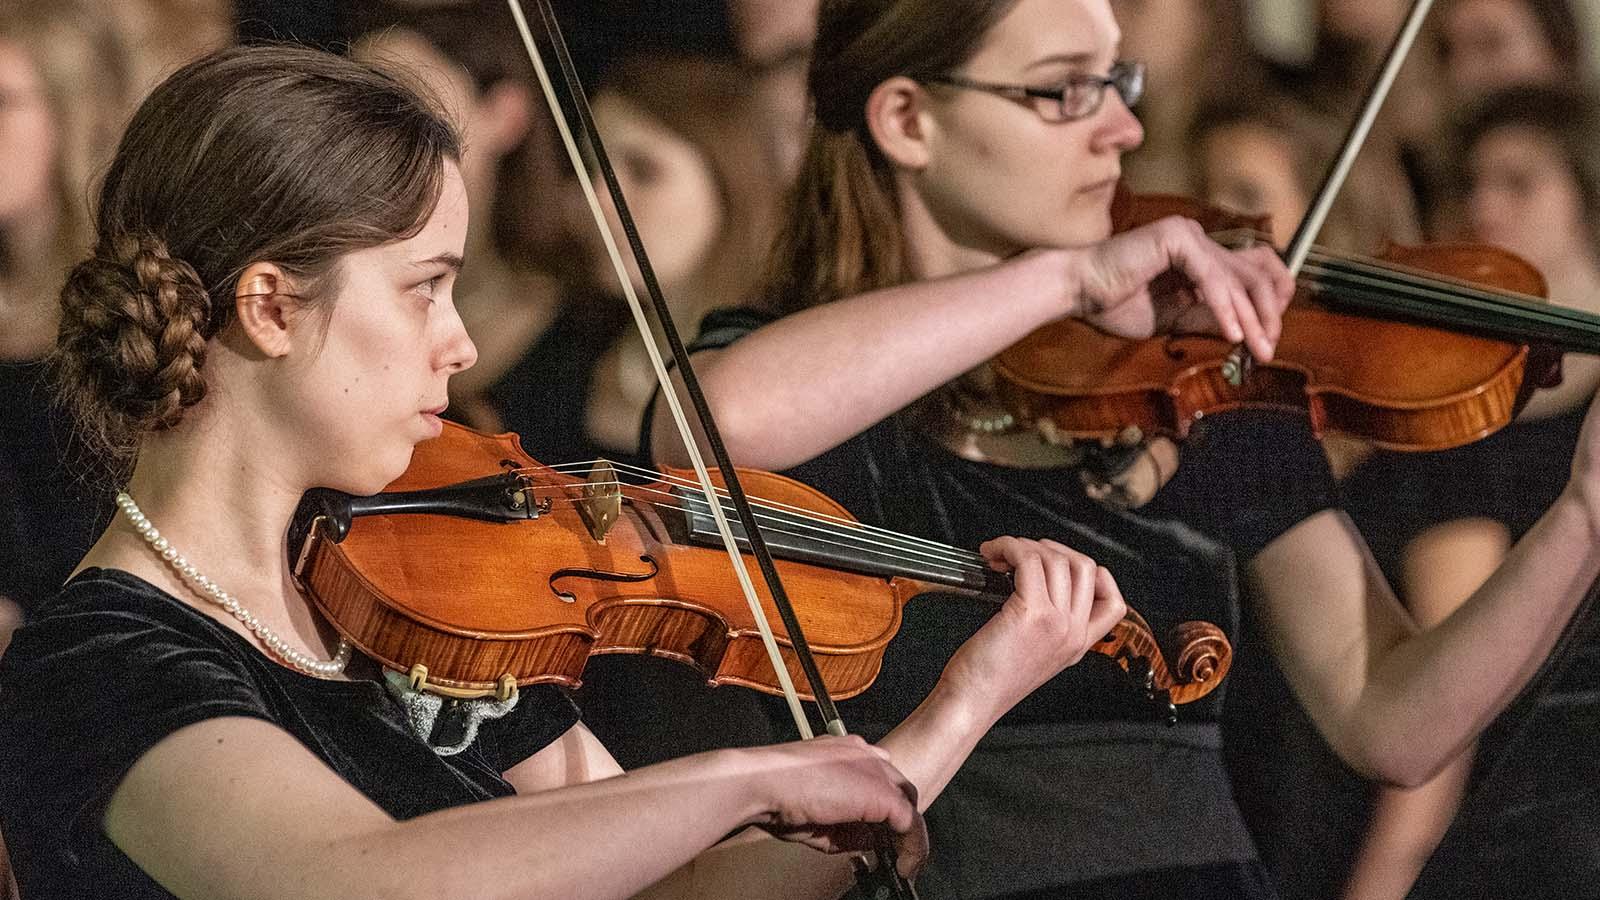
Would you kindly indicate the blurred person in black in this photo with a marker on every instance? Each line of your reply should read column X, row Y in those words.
column 1439, row 523
column 64, row 93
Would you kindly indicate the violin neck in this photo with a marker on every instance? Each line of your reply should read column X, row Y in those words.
column 1357, row 287
column 850, row 547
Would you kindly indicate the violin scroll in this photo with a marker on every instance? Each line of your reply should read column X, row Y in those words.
column 1203, row 658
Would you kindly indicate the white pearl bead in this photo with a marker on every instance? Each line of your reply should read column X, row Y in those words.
column 204, row 585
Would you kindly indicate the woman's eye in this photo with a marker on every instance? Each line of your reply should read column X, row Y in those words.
column 430, row 287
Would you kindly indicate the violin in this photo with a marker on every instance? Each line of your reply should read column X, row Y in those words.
column 480, row 569
column 1422, row 348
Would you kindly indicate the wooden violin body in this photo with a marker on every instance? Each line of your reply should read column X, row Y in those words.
column 1394, row 383
column 481, row 605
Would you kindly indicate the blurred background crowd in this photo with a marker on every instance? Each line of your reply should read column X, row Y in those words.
column 1492, row 134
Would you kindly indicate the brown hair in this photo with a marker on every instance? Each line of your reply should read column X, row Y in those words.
column 841, row 231
column 270, row 153
column 1559, row 27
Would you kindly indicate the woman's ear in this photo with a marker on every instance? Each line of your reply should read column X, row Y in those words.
column 264, row 307
column 503, row 116
column 898, row 121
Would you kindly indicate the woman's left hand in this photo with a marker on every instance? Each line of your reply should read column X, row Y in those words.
column 1064, row 603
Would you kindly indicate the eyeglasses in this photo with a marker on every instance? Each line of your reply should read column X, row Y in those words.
column 1077, row 97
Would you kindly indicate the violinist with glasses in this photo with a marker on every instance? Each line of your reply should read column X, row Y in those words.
column 956, row 195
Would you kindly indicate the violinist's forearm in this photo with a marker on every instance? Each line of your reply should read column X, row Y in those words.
column 237, row 809
column 1403, row 831
column 1396, row 704
column 608, row 843
column 863, row 358
column 1476, row 661
column 935, row 740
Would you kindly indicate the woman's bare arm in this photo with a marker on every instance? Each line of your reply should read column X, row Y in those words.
column 806, row 383
column 238, row 808
column 1395, row 703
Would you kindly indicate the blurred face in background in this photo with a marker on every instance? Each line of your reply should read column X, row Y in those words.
column 1250, row 168
column 670, row 188
column 28, row 138
column 1491, row 44
column 1525, row 198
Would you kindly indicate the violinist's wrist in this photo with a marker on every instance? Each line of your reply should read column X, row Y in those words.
column 1051, row 280
column 757, row 791
column 1066, row 273
column 963, row 704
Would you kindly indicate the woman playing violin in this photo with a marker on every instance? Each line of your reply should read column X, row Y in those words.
column 268, row 308
column 954, row 197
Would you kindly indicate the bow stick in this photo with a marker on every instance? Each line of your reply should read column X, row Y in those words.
column 1239, row 361
column 884, row 880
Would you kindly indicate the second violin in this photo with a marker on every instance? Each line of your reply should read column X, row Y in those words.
column 1425, row 348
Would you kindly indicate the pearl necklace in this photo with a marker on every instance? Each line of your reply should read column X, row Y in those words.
column 204, row 586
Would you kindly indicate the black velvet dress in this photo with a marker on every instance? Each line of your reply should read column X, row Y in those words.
column 112, row 665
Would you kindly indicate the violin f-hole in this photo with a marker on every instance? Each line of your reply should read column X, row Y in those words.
column 600, row 575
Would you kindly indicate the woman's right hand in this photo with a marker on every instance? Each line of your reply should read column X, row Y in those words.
column 832, row 793
column 1242, row 293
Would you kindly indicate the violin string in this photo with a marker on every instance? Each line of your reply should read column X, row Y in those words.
column 1452, row 286
column 886, row 558
column 856, row 534
column 910, row 541
column 956, row 564
column 856, row 526
column 1439, row 289
column 1432, row 301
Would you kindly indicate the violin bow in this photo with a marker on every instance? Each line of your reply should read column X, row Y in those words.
column 1239, row 361
column 879, row 882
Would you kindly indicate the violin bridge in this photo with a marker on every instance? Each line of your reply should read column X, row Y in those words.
column 601, row 503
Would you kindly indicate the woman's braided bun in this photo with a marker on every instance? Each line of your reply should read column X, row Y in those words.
column 279, row 155
column 134, row 326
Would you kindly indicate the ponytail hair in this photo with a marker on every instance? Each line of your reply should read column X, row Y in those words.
column 841, row 227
